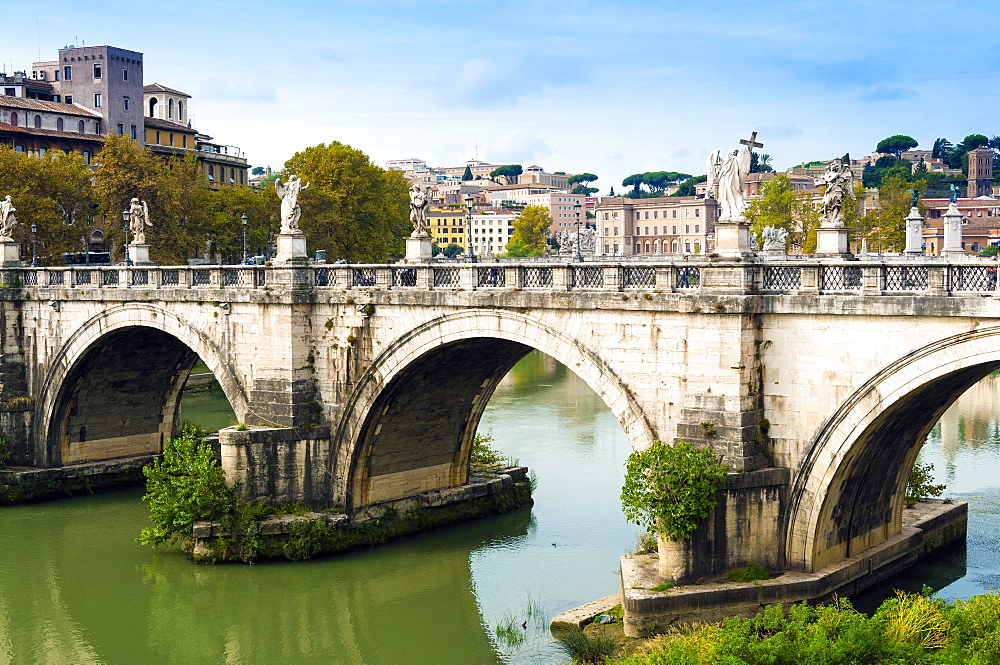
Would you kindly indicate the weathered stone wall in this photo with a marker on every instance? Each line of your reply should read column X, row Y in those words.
column 285, row 464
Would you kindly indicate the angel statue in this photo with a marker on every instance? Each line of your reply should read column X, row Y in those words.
column 290, row 210
column 838, row 181
column 7, row 220
column 420, row 203
column 138, row 220
column 729, row 174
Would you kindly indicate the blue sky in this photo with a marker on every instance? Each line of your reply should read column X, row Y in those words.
column 609, row 87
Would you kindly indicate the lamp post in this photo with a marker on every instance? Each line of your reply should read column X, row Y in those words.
column 126, row 216
column 468, row 227
column 34, row 245
column 576, row 209
column 244, row 219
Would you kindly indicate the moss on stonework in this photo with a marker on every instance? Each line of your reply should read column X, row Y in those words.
column 309, row 538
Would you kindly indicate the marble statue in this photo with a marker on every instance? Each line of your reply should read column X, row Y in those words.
column 953, row 196
column 588, row 240
column 729, row 174
column 838, row 183
column 7, row 220
column 290, row 211
column 774, row 239
column 420, row 203
column 567, row 242
column 138, row 220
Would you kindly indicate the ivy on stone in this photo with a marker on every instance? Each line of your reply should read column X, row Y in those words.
column 670, row 490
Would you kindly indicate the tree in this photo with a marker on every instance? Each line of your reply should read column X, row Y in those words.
column 896, row 144
column 531, row 229
column 174, row 189
column 942, row 147
column 687, row 187
column 634, row 181
column 467, row 175
column 670, row 490
column 885, row 226
column 509, row 172
column 973, row 141
column 55, row 193
column 452, row 250
column 354, row 209
column 760, row 163
column 257, row 170
column 776, row 207
column 582, row 183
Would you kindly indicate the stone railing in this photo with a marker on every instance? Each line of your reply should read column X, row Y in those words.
column 914, row 277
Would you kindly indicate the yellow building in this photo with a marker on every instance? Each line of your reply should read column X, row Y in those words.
column 447, row 226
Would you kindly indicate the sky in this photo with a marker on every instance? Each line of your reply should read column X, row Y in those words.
column 606, row 87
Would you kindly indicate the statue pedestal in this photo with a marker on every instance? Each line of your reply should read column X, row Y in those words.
column 732, row 239
column 138, row 254
column 952, row 246
column 832, row 242
column 418, row 248
column 914, row 233
column 291, row 248
column 10, row 253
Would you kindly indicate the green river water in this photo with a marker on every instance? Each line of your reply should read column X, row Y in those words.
column 76, row 588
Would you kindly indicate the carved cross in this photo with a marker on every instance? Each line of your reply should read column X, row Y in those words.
column 752, row 141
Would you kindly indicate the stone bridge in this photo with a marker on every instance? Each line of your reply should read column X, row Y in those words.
column 818, row 381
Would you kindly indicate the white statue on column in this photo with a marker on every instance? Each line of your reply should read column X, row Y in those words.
column 7, row 219
column 838, row 180
column 290, row 210
column 138, row 220
column 729, row 174
column 774, row 239
column 420, row 203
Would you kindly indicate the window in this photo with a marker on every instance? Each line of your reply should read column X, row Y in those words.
column 616, row 230
column 185, row 141
column 82, row 128
column 98, row 100
column 697, row 212
column 687, row 228
column 86, row 157
column 125, row 103
column 673, row 213
column 57, row 74
column 171, row 138
column 696, row 228
column 157, row 137
column 13, row 120
column 59, row 124
column 647, row 214
column 9, row 92
column 69, row 99
column 124, row 74
column 674, row 229
column 605, row 216
column 180, row 111
column 647, row 231
column 654, row 214
column 211, row 173
column 152, row 107
column 656, row 230
column 42, row 151
column 606, row 231
column 38, row 122
column 97, row 71
column 121, row 129
column 170, row 108
column 68, row 72
column 19, row 148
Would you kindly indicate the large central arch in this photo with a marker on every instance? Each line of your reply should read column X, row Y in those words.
column 848, row 494
column 409, row 424
column 112, row 388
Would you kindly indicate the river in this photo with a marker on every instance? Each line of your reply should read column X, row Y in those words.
column 75, row 587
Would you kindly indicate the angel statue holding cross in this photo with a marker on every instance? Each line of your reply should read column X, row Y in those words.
column 729, row 174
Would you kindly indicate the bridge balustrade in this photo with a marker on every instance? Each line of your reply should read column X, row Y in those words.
column 363, row 277
column 491, row 278
column 445, row 277
column 536, row 278
column 404, row 277
column 82, row 277
column 109, row 277
column 782, row 278
column 974, row 278
column 840, row 278
column 170, row 277
column 201, row 277
column 905, row 278
column 638, row 278
column 140, row 277
column 588, row 277
column 687, row 278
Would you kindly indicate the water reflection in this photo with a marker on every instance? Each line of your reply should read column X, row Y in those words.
column 76, row 588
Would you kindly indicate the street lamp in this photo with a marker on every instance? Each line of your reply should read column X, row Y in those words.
column 468, row 226
column 34, row 245
column 576, row 209
column 126, row 216
column 244, row 219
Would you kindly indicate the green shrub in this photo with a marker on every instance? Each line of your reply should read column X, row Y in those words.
column 588, row 647
column 921, row 484
column 483, row 455
column 4, row 452
column 750, row 573
column 186, row 484
column 671, row 489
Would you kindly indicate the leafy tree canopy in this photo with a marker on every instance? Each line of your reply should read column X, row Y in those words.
column 467, row 175
column 531, row 228
column 509, row 172
column 581, row 178
column 687, row 187
column 257, row 170
column 973, row 141
column 896, row 144
column 760, row 163
column 354, row 209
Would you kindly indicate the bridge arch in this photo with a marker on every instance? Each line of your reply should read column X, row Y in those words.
column 134, row 346
column 848, row 493
column 391, row 435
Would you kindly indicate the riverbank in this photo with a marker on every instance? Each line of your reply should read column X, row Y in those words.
column 20, row 485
